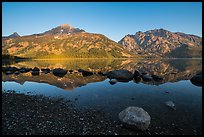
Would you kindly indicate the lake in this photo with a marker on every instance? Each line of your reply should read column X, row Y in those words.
column 95, row 91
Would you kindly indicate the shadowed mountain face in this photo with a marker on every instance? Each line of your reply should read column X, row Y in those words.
column 170, row 70
column 160, row 42
column 64, row 42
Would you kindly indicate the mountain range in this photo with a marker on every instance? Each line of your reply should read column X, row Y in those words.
column 65, row 41
column 163, row 43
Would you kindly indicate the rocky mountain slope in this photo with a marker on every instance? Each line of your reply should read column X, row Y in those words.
column 160, row 42
column 64, row 42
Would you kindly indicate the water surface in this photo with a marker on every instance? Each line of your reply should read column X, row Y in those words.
column 95, row 91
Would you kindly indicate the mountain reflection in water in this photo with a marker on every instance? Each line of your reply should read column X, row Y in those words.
column 171, row 70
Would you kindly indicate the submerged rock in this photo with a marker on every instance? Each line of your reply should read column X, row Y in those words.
column 113, row 81
column 157, row 78
column 135, row 118
column 197, row 79
column 122, row 75
column 59, row 72
column 171, row 105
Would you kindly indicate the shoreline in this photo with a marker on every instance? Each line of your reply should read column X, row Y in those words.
column 38, row 115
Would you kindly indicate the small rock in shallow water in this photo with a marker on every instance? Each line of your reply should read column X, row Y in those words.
column 171, row 105
column 113, row 81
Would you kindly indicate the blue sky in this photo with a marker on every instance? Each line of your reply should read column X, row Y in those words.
column 113, row 19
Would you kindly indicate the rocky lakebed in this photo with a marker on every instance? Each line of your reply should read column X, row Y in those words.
column 38, row 115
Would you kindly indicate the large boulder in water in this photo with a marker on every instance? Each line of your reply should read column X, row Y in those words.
column 135, row 118
column 59, row 72
column 120, row 75
column 197, row 79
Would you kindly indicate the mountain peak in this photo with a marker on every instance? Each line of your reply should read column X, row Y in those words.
column 14, row 35
column 66, row 26
column 65, row 29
